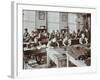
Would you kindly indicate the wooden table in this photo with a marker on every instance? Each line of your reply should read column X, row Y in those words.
column 73, row 52
column 37, row 53
column 57, row 55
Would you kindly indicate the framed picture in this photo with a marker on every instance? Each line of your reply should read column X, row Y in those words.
column 41, row 15
column 52, row 52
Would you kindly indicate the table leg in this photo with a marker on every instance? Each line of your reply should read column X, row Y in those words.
column 48, row 61
column 58, row 65
column 67, row 61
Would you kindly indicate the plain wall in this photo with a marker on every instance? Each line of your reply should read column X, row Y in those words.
column 52, row 20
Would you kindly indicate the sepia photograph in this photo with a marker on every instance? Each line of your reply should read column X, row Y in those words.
column 54, row 39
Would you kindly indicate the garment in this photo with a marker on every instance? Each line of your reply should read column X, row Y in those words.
column 35, row 44
column 87, row 34
column 83, row 40
column 66, row 42
column 26, row 37
column 53, row 44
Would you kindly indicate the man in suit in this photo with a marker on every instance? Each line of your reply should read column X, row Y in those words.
column 26, row 36
column 83, row 39
column 53, row 43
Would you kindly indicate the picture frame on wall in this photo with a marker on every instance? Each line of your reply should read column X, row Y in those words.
column 41, row 15
column 34, row 53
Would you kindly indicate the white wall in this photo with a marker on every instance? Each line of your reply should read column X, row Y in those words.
column 63, row 23
column 53, row 21
column 72, row 22
column 29, row 20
